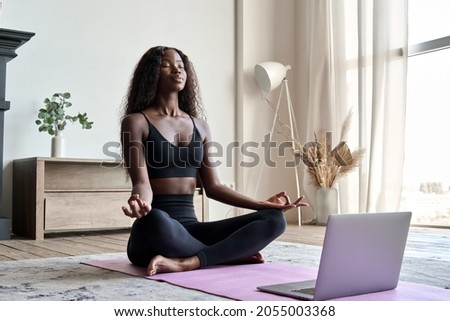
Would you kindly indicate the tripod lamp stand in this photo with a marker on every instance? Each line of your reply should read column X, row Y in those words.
column 269, row 76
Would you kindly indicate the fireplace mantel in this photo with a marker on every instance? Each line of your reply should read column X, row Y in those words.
column 10, row 40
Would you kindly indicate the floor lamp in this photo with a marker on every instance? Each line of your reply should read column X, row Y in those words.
column 269, row 76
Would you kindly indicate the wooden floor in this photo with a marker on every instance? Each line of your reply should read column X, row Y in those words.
column 57, row 245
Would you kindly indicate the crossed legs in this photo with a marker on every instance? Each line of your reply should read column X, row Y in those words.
column 165, row 245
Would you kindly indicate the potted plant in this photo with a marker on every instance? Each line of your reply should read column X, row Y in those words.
column 53, row 119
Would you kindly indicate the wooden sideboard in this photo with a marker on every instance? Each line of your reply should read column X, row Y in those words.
column 68, row 194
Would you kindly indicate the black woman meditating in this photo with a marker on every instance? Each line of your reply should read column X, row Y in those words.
column 165, row 149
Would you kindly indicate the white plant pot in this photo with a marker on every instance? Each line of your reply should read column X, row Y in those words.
column 58, row 145
column 326, row 204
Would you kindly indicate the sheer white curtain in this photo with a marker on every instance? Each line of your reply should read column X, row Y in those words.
column 352, row 57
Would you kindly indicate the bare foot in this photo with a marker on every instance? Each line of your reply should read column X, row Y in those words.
column 253, row 259
column 161, row 264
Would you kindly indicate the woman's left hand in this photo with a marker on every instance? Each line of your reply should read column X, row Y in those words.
column 283, row 202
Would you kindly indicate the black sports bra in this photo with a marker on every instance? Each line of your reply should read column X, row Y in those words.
column 164, row 159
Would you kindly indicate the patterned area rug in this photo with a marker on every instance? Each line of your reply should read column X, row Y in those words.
column 60, row 279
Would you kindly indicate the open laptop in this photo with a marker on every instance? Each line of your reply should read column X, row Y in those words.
column 362, row 253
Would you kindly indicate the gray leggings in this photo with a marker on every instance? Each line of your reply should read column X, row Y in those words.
column 171, row 229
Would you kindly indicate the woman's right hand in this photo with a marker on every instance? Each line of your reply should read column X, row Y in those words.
column 138, row 207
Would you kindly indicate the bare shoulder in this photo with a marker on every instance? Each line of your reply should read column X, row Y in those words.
column 133, row 117
column 203, row 128
column 133, row 120
column 135, row 124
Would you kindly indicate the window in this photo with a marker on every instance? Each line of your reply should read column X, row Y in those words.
column 426, row 182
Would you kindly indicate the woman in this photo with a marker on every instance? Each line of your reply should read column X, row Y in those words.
column 164, row 148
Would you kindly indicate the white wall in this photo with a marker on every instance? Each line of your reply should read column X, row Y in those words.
column 90, row 47
column 268, row 34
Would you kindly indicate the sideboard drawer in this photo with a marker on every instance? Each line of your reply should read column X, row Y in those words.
column 81, row 211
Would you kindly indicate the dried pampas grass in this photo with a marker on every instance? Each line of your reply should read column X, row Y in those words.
column 326, row 165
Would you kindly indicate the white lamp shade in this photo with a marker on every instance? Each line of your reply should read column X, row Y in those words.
column 270, row 74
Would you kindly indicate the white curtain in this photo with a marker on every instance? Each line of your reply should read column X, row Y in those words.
column 352, row 57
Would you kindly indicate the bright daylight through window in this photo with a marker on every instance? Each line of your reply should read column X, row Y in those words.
column 426, row 181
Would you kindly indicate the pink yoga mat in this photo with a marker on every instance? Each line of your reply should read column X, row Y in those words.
column 239, row 282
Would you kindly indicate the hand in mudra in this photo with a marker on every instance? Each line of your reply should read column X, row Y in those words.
column 138, row 207
column 283, row 202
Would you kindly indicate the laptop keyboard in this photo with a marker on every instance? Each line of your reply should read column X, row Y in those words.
column 304, row 291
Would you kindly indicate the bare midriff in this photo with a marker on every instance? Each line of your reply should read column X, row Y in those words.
column 173, row 185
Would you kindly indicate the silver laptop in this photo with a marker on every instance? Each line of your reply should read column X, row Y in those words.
column 362, row 253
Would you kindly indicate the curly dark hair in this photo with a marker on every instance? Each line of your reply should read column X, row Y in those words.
column 144, row 84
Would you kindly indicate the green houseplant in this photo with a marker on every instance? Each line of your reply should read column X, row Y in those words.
column 53, row 119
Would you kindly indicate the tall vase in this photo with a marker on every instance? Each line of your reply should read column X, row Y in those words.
column 326, row 204
column 58, row 144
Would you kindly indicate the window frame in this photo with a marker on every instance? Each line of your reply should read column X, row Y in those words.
column 429, row 46
column 422, row 48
